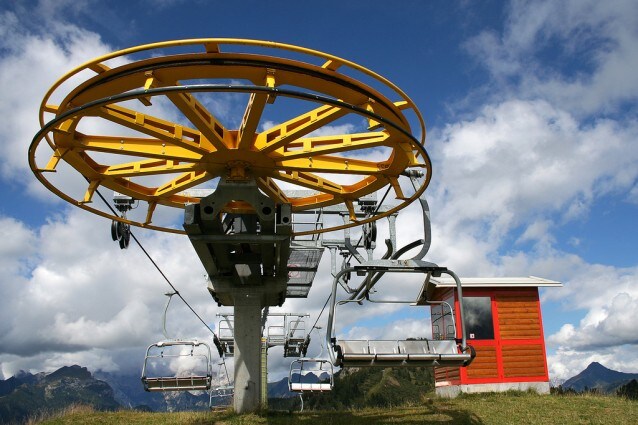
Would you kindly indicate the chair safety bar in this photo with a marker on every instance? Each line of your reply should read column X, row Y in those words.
column 222, row 391
column 174, row 383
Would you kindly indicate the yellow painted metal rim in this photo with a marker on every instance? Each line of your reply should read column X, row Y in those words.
column 332, row 64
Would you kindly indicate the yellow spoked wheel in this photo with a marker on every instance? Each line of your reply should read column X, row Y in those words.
column 156, row 123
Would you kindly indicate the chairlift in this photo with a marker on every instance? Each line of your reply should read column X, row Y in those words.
column 222, row 391
column 289, row 333
column 226, row 330
column 162, row 357
column 300, row 379
column 308, row 375
column 161, row 354
column 296, row 343
column 447, row 349
column 221, row 395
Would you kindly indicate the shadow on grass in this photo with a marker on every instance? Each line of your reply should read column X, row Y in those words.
column 402, row 415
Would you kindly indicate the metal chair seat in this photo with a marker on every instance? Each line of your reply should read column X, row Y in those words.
column 172, row 383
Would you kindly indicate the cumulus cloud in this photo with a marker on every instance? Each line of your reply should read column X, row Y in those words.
column 92, row 297
column 520, row 159
column 579, row 54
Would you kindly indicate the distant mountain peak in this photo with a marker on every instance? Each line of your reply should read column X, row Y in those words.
column 74, row 371
column 596, row 365
column 22, row 373
column 599, row 377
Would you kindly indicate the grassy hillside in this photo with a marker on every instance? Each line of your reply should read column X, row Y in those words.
column 508, row 408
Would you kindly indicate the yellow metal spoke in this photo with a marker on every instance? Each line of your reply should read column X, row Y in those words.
column 248, row 127
column 332, row 164
column 88, row 196
column 272, row 190
column 205, row 122
column 58, row 154
column 311, row 181
column 282, row 134
column 252, row 115
column 149, row 168
column 135, row 146
column 149, row 212
column 210, row 127
column 183, row 182
column 313, row 146
column 350, row 207
column 398, row 192
column 166, row 131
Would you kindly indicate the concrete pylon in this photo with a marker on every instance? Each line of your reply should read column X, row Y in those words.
column 247, row 352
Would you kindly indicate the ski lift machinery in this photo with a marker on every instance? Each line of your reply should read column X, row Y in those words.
column 244, row 231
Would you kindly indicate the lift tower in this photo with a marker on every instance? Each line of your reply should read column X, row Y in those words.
column 242, row 134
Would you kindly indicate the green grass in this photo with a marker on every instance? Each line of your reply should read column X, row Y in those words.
column 507, row 408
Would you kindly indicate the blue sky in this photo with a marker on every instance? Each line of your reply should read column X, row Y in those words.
column 531, row 116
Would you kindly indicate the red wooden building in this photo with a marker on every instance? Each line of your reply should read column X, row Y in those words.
column 504, row 325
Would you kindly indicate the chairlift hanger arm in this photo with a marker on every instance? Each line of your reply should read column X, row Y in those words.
column 365, row 288
column 353, row 250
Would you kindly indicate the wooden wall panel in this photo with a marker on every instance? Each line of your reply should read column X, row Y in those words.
column 484, row 365
column 523, row 360
column 518, row 316
column 442, row 374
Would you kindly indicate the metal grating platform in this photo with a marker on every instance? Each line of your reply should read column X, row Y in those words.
column 302, row 267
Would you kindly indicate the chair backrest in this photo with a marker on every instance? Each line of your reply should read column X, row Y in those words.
column 444, row 347
column 414, row 347
column 383, row 347
column 354, row 347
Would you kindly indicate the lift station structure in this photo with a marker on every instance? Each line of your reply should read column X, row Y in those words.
column 267, row 147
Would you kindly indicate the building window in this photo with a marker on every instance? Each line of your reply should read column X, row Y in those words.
column 478, row 317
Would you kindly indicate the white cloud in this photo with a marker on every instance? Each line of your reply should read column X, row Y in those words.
column 29, row 65
column 520, row 162
column 547, row 49
column 83, row 295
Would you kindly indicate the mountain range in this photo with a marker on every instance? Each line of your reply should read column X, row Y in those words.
column 27, row 395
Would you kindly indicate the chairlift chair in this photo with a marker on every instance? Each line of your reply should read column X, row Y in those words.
column 226, row 330
column 296, row 342
column 221, row 394
column 221, row 391
column 449, row 350
column 289, row 333
column 300, row 381
column 165, row 351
